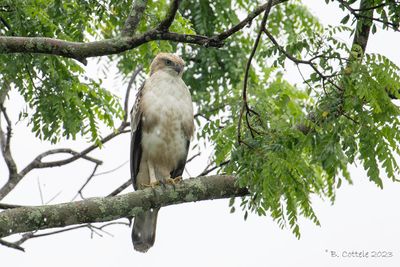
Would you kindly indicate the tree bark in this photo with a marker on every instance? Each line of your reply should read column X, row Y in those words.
column 23, row 219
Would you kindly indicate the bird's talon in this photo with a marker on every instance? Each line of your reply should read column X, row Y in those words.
column 173, row 181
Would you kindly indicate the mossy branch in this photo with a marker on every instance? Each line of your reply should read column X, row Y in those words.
column 24, row 219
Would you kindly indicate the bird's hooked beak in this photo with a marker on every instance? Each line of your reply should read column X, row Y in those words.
column 178, row 68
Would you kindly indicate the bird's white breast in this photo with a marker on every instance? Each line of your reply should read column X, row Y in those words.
column 166, row 113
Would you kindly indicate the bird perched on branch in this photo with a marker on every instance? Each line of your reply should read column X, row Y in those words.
column 162, row 125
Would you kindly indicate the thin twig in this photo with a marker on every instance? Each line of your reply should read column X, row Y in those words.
column 40, row 191
column 246, row 107
column 79, row 193
column 193, row 157
column 5, row 143
column 120, row 188
column 370, row 10
column 301, row 61
column 112, row 170
column 207, row 170
column 246, row 21
column 91, row 227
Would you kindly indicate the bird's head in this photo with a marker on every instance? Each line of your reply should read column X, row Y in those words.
column 169, row 63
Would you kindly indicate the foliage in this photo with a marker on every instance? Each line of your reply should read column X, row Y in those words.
column 299, row 140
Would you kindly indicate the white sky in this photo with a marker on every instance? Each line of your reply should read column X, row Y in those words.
column 206, row 234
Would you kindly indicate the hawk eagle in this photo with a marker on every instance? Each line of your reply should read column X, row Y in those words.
column 162, row 125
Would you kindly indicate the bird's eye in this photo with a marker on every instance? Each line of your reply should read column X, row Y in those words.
column 168, row 62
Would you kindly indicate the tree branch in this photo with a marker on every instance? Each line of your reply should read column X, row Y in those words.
column 111, row 208
column 80, row 51
column 361, row 36
column 120, row 188
column 301, row 61
column 5, row 206
column 366, row 12
column 363, row 26
column 5, row 141
column 207, row 170
column 11, row 245
column 134, row 17
column 223, row 35
column 37, row 163
column 169, row 18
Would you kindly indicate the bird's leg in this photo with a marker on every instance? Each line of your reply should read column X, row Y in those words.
column 152, row 176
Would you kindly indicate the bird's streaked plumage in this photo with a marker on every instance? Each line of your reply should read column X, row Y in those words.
column 162, row 126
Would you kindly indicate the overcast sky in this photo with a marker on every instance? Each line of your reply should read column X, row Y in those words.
column 364, row 218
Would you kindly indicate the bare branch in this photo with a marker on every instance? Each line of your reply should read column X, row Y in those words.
column 169, row 18
column 120, row 188
column 193, row 157
column 112, row 170
column 30, row 235
column 222, row 36
column 107, row 209
column 300, row 61
column 134, row 17
column 37, row 162
column 79, row 193
column 5, row 141
column 11, row 245
column 207, row 170
column 80, row 51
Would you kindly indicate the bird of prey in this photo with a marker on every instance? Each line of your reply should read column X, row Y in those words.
column 162, row 125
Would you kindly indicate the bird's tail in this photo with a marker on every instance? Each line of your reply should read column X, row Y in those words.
column 144, row 230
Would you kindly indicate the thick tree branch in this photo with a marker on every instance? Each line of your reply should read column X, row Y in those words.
column 363, row 26
column 11, row 245
column 111, row 208
column 5, row 206
column 80, row 51
column 134, row 17
column 126, row 184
